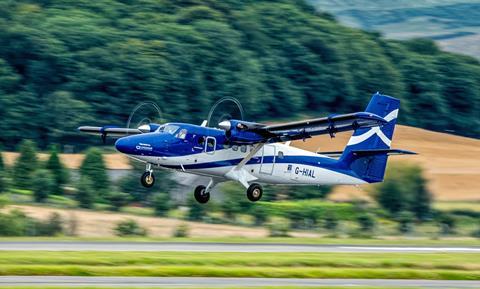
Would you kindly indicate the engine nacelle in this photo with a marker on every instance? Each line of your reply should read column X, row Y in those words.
column 241, row 132
column 146, row 128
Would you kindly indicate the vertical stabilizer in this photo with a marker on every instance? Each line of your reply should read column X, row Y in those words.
column 371, row 168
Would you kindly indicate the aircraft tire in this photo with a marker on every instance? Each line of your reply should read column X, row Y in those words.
column 147, row 179
column 254, row 192
column 200, row 195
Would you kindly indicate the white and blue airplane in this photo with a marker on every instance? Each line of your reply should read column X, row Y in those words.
column 254, row 154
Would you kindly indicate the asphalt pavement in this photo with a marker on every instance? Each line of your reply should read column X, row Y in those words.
column 200, row 282
column 223, row 247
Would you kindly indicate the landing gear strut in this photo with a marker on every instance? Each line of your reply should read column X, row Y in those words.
column 254, row 192
column 148, row 179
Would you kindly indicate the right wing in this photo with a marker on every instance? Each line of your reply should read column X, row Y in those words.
column 110, row 131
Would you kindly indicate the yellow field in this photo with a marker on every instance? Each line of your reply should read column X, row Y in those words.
column 451, row 163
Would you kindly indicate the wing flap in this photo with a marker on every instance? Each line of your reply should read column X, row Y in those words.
column 325, row 125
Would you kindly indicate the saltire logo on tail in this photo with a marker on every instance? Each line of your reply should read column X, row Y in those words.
column 356, row 139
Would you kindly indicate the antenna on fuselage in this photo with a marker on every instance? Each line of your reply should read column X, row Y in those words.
column 204, row 123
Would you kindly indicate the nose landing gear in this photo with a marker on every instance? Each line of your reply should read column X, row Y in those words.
column 148, row 179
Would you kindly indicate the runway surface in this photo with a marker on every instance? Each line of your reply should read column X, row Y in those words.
column 223, row 247
column 183, row 282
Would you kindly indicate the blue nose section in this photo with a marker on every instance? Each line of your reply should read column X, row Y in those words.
column 124, row 145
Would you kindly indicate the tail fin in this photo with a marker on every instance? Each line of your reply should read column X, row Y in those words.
column 371, row 166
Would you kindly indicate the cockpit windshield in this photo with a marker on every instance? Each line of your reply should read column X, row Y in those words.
column 169, row 128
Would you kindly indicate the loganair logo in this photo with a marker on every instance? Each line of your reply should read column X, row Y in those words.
column 356, row 139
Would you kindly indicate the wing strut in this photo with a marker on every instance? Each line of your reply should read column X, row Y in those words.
column 239, row 173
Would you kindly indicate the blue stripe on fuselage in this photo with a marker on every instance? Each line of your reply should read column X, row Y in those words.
column 319, row 162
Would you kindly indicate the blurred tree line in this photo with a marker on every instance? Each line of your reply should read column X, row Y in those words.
column 70, row 63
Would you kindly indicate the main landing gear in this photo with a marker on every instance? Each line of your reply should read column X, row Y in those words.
column 148, row 179
column 254, row 192
column 202, row 193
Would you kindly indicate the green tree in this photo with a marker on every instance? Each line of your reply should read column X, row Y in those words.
column 93, row 167
column 3, row 179
column 161, row 204
column 118, row 200
column 129, row 228
column 366, row 222
column 43, row 185
column 405, row 221
column 404, row 189
column 59, row 172
column 25, row 165
column 85, row 194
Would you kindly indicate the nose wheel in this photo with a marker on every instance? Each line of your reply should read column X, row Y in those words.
column 254, row 192
column 148, row 179
column 201, row 195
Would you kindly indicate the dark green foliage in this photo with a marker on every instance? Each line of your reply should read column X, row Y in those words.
column 118, row 200
column 3, row 182
column 85, row 194
column 2, row 165
column 302, row 192
column 404, row 189
column 68, row 63
column 330, row 222
column 53, row 226
column 196, row 211
column 16, row 223
column 161, row 204
column 278, row 229
column 94, row 168
column 405, row 221
column 43, row 185
column 3, row 175
column 447, row 223
column 59, row 172
column 181, row 231
column 129, row 228
column 366, row 222
column 131, row 185
column 25, row 165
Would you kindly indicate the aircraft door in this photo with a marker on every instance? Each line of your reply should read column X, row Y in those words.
column 268, row 159
column 210, row 145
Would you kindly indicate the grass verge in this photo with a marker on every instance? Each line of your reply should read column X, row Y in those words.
column 311, row 241
column 441, row 266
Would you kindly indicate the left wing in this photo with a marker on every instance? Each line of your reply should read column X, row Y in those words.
column 325, row 125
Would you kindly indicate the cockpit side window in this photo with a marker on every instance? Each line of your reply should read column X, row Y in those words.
column 171, row 129
column 182, row 134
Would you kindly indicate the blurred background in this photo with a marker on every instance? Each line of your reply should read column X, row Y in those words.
column 64, row 64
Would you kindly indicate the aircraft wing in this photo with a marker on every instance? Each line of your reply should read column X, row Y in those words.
column 325, row 125
column 110, row 131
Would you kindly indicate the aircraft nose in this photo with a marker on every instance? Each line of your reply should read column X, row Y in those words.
column 123, row 145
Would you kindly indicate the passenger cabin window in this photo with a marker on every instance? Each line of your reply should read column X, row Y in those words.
column 243, row 149
column 210, row 142
column 280, row 155
column 201, row 141
column 235, row 148
column 182, row 134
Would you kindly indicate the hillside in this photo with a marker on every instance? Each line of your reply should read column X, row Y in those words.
column 69, row 63
column 451, row 163
column 453, row 24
